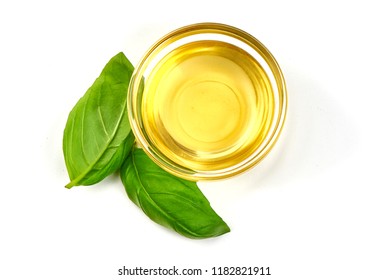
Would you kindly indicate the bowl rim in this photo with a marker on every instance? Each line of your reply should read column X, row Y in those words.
column 187, row 31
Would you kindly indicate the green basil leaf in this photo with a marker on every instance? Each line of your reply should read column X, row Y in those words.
column 168, row 200
column 97, row 136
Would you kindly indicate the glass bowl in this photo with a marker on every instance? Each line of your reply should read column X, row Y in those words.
column 207, row 101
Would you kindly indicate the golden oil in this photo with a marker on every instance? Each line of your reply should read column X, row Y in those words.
column 207, row 105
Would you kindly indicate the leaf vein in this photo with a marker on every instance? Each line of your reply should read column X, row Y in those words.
column 188, row 201
column 101, row 116
column 82, row 129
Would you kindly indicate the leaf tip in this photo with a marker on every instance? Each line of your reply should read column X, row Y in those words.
column 223, row 229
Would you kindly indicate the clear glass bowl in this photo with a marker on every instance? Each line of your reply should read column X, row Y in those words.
column 207, row 101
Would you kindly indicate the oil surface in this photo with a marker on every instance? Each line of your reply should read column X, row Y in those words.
column 207, row 105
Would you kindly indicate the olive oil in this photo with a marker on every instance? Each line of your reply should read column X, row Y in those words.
column 207, row 105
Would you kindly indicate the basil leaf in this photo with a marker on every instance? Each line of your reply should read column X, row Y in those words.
column 97, row 136
column 168, row 200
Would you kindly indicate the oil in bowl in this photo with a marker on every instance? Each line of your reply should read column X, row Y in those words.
column 207, row 101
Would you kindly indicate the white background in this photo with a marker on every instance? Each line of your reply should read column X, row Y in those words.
column 316, row 208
